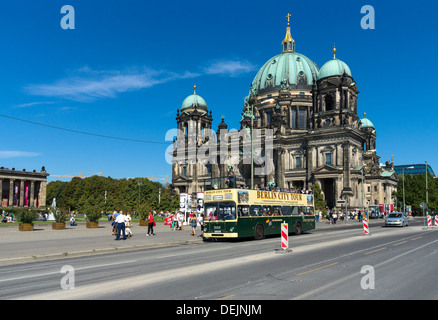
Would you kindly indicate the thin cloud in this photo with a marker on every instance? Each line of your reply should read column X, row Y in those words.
column 104, row 84
column 231, row 68
column 87, row 85
column 31, row 104
column 17, row 154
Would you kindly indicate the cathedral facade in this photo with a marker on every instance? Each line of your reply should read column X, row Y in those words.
column 317, row 135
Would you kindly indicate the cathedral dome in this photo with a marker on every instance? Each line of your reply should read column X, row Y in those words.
column 288, row 69
column 194, row 101
column 334, row 67
column 366, row 123
column 295, row 68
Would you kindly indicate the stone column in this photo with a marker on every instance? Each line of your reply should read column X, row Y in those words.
column 43, row 185
column 1, row 192
column 32, row 194
column 21, row 193
column 11, row 192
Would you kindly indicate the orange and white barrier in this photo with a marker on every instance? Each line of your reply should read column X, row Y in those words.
column 284, row 236
column 436, row 221
column 429, row 221
column 365, row 227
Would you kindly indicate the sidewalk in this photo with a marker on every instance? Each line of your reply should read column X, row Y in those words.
column 44, row 243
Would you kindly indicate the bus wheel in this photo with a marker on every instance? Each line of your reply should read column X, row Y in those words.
column 298, row 228
column 259, row 232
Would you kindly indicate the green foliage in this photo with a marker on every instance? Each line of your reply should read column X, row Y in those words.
column 26, row 216
column 60, row 215
column 318, row 198
column 122, row 194
column 143, row 211
column 92, row 214
column 415, row 192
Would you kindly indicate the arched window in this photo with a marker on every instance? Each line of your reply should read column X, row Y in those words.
column 329, row 103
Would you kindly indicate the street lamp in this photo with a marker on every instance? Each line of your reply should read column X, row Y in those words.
column 404, row 204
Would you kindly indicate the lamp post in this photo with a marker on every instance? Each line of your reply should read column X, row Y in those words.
column 404, row 204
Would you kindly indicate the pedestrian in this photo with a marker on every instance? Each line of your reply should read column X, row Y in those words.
column 151, row 225
column 120, row 222
column 194, row 223
column 201, row 223
column 128, row 225
column 180, row 218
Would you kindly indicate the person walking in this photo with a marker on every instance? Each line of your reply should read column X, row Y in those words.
column 151, row 225
column 194, row 223
column 120, row 222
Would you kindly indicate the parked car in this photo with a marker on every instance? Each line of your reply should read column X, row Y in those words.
column 397, row 219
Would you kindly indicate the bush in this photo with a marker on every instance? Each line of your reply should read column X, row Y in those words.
column 92, row 214
column 60, row 215
column 143, row 211
column 26, row 216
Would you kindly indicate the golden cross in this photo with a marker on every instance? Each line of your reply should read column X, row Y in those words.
column 287, row 16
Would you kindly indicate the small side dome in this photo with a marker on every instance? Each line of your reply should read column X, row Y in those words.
column 334, row 67
column 194, row 101
column 366, row 123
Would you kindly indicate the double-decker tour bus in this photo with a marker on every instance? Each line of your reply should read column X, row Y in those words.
column 242, row 213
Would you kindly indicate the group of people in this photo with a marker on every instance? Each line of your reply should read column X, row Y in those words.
column 178, row 222
column 7, row 217
column 121, row 223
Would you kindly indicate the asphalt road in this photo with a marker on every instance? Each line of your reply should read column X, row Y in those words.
column 331, row 263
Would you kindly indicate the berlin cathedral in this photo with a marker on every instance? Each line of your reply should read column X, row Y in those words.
column 318, row 136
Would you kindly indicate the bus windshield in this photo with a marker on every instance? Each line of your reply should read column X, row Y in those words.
column 220, row 211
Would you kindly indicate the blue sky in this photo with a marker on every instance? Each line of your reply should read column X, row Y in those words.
column 128, row 65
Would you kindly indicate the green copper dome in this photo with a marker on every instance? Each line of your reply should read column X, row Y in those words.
column 193, row 101
column 366, row 123
column 292, row 67
column 334, row 67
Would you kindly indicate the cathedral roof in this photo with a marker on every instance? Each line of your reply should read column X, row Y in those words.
column 334, row 67
column 290, row 66
column 193, row 101
column 366, row 123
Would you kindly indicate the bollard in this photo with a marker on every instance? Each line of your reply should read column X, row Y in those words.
column 284, row 236
column 365, row 227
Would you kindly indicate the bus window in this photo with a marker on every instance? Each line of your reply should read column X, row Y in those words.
column 243, row 211
column 211, row 211
column 276, row 210
column 266, row 210
column 307, row 210
column 227, row 211
column 256, row 211
column 295, row 211
column 286, row 211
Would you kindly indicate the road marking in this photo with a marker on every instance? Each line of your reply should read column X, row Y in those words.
column 58, row 272
column 375, row 250
column 397, row 244
column 357, row 274
column 226, row 297
column 320, row 268
column 417, row 238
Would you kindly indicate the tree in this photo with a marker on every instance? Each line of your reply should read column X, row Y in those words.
column 318, row 198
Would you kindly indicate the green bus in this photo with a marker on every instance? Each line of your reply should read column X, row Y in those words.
column 240, row 213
